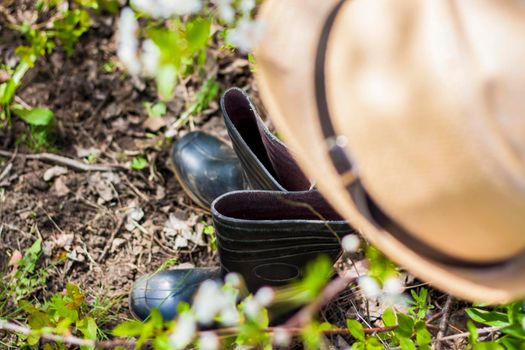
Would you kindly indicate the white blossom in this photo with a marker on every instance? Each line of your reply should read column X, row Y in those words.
column 208, row 302
column 211, row 301
column 209, row 341
column 393, row 286
column 246, row 35
column 252, row 308
column 226, row 11
column 350, row 243
column 184, row 331
column 392, row 294
column 167, row 8
column 247, row 6
column 281, row 337
column 523, row 323
column 233, row 279
column 229, row 315
column 265, row 296
column 369, row 287
column 127, row 41
column 150, row 58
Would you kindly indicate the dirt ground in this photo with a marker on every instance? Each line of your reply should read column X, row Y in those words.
column 81, row 216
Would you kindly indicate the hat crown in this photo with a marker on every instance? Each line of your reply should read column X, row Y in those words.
column 431, row 104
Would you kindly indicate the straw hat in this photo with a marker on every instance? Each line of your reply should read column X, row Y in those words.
column 410, row 116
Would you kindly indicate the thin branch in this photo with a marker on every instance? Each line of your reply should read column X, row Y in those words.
column 297, row 330
column 467, row 334
column 130, row 342
column 68, row 162
column 443, row 323
column 12, row 327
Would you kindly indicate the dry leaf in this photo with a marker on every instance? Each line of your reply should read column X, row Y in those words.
column 60, row 188
column 53, row 172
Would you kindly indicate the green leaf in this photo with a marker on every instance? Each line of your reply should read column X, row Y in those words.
column 380, row 266
column 358, row 346
column 311, row 336
column 389, row 318
column 162, row 342
column 139, row 162
column 155, row 111
column 130, row 328
column 34, row 116
column 88, row 327
column 423, row 336
column 373, row 343
column 183, row 307
column 170, row 44
column 33, row 339
column 198, row 33
column 356, row 329
column 406, row 344
column 405, row 325
column 38, row 320
column 516, row 331
column 473, row 336
column 75, row 296
column 62, row 327
column 491, row 318
column 511, row 343
column 7, row 91
column 317, row 274
column 166, row 81
column 488, row 346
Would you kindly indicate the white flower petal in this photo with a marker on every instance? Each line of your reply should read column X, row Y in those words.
column 184, row 332
column 281, row 337
column 393, row 286
column 209, row 341
column 167, row 8
column 247, row 5
column 226, row 13
column 350, row 243
column 252, row 308
column 127, row 40
column 265, row 296
column 234, row 279
column 150, row 58
column 246, row 35
column 229, row 316
column 369, row 287
column 208, row 301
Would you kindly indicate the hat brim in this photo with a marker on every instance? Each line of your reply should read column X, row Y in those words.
column 285, row 76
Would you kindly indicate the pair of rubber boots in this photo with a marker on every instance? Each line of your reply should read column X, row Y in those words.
column 268, row 221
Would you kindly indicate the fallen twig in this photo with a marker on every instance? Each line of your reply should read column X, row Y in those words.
column 466, row 334
column 443, row 323
column 71, row 163
column 71, row 340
